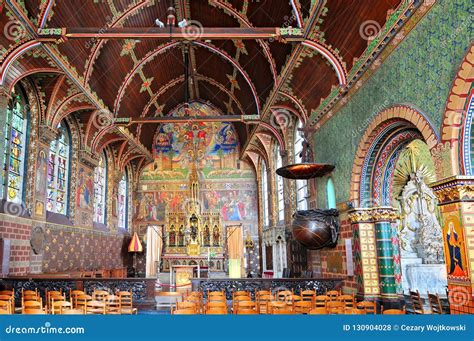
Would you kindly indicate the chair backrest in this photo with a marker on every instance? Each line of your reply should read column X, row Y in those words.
column 240, row 293
column 58, row 306
column 216, row 311
column 353, row 311
column 211, row 305
column 285, row 311
column 100, row 295
column 262, row 293
column 32, row 305
column 29, row 292
column 303, row 307
column 318, row 311
column 369, row 307
column 80, row 301
column 348, row 300
column 34, row 311
column 393, row 312
column 94, row 306
column 72, row 312
column 184, row 312
column 321, row 300
column 125, row 299
column 186, row 305
column 6, row 306
column 416, row 301
column 7, row 292
column 243, row 311
column 333, row 294
column 435, row 304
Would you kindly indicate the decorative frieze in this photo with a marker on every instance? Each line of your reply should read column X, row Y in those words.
column 382, row 213
column 454, row 189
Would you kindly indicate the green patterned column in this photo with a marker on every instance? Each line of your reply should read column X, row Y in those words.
column 384, row 217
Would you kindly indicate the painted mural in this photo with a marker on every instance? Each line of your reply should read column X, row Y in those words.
column 226, row 184
column 84, row 195
column 454, row 245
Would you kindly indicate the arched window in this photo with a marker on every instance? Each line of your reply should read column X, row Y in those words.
column 301, row 185
column 58, row 171
column 279, row 186
column 123, row 202
column 100, row 190
column 266, row 220
column 330, row 193
column 15, row 149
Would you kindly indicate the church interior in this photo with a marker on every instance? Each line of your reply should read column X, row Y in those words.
column 237, row 157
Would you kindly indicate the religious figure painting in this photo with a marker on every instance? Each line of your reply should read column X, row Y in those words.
column 85, row 188
column 455, row 248
column 41, row 175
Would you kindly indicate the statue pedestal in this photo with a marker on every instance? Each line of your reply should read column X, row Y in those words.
column 423, row 277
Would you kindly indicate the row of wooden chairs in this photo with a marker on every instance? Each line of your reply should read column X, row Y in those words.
column 100, row 302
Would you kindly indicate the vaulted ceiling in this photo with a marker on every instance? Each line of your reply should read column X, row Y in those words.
column 144, row 77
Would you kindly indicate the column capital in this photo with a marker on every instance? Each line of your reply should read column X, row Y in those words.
column 372, row 214
column 4, row 93
column 47, row 134
column 88, row 158
column 454, row 189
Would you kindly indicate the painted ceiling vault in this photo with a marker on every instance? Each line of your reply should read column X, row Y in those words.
column 99, row 79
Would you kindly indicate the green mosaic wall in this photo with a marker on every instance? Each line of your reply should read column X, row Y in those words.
column 419, row 72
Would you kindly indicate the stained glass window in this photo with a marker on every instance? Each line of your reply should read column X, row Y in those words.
column 123, row 202
column 331, row 193
column 266, row 220
column 301, row 185
column 279, row 182
column 58, row 172
column 100, row 176
column 15, row 150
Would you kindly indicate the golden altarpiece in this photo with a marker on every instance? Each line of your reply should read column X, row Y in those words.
column 193, row 237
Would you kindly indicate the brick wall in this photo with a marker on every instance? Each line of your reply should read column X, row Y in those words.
column 66, row 248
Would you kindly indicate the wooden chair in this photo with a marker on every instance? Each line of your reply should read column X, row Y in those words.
column 246, row 311
column 393, row 312
column 320, row 301
column 183, row 312
column 112, row 304
column 318, row 311
column 9, row 299
column 262, row 303
column 186, row 305
column 303, row 307
column 285, row 311
column 240, row 293
column 416, row 302
column 276, row 305
column 435, row 304
column 94, row 307
column 284, row 295
column 31, row 305
column 126, row 302
column 5, row 307
column 348, row 300
column 10, row 293
column 216, row 305
column 236, row 300
column 369, row 307
column 217, row 311
column 29, row 292
column 100, row 295
column 262, row 293
column 80, row 301
column 353, row 311
column 197, row 300
column 72, row 312
column 58, row 306
column 246, row 305
column 34, row 311
column 73, row 294
column 333, row 294
column 334, row 307
column 308, row 295
column 54, row 296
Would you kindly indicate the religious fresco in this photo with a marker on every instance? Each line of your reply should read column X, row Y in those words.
column 454, row 246
column 84, row 195
column 227, row 185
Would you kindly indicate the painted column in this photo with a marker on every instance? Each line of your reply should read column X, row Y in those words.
column 4, row 99
column 456, row 203
column 384, row 218
column 365, row 248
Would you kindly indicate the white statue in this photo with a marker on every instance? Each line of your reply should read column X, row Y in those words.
column 420, row 231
